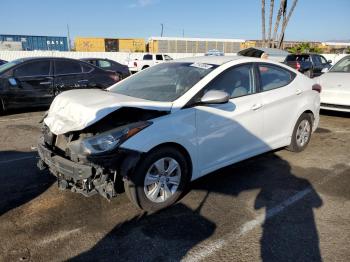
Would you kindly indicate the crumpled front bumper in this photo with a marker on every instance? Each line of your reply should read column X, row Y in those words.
column 59, row 165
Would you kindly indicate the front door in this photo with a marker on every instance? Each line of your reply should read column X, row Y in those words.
column 32, row 84
column 230, row 132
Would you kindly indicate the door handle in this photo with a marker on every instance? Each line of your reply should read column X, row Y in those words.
column 298, row 91
column 256, row 106
column 83, row 81
column 45, row 83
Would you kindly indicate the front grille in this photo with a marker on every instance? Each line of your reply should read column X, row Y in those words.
column 335, row 106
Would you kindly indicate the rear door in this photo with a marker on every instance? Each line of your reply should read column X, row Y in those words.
column 317, row 65
column 280, row 99
column 34, row 84
column 70, row 74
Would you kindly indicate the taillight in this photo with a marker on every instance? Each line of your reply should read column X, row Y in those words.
column 135, row 64
column 317, row 88
column 115, row 77
column 298, row 65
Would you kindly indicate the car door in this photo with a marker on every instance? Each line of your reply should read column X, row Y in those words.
column 70, row 74
column 317, row 65
column 232, row 131
column 280, row 99
column 32, row 84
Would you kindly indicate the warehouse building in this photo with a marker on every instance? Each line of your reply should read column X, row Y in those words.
column 32, row 42
column 99, row 44
column 192, row 45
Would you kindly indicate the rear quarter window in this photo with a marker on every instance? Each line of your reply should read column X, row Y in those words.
column 272, row 77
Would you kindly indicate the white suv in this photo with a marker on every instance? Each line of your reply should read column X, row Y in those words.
column 173, row 123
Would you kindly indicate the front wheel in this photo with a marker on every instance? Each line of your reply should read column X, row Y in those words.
column 301, row 133
column 159, row 180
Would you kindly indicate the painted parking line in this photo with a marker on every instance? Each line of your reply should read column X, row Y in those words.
column 16, row 159
column 18, row 119
column 209, row 249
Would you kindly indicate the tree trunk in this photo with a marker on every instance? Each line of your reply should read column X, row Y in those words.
column 278, row 19
column 284, row 25
column 263, row 21
column 270, row 22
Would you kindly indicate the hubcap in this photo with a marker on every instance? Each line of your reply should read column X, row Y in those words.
column 162, row 179
column 303, row 133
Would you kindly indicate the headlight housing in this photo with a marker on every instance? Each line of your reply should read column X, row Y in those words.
column 109, row 140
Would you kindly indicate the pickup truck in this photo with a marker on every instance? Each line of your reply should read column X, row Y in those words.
column 308, row 64
column 147, row 61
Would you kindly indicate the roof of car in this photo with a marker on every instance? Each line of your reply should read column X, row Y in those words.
column 44, row 57
column 214, row 60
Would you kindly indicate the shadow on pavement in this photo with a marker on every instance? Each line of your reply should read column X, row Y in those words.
column 20, row 180
column 288, row 234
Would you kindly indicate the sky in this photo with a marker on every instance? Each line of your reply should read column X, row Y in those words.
column 312, row 20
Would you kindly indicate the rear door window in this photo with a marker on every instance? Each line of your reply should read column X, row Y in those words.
column 272, row 77
column 104, row 63
column 64, row 67
column 38, row 68
column 159, row 57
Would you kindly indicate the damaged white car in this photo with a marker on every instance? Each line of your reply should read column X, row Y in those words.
column 175, row 122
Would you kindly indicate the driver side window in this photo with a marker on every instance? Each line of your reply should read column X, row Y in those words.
column 236, row 81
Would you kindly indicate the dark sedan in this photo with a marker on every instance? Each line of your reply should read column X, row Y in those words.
column 31, row 82
column 2, row 62
column 107, row 64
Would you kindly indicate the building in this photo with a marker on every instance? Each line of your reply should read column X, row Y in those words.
column 99, row 44
column 31, row 42
column 192, row 45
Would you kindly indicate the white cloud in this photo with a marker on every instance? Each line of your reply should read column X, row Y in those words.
column 142, row 3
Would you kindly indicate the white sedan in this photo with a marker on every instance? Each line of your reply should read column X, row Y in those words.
column 336, row 86
column 173, row 123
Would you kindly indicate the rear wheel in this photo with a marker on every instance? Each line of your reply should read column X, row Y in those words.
column 301, row 133
column 145, row 67
column 159, row 179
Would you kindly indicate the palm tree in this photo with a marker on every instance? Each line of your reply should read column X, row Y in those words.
column 285, row 23
column 263, row 21
column 272, row 2
column 283, row 4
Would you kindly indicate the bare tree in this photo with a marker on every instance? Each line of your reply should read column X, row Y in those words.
column 263, row 21
column 278, row 19
column 272, row 3
column 285, row 23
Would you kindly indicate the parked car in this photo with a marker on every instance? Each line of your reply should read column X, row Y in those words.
column 107, row 64
column 2, row 62
column 275, row 54
column 31, row 82
column 147, row 61
column 336, row 86
column 175, row 122
column 308, row 64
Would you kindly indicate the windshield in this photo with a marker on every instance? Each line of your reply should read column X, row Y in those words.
column 342, row 65
column 8, row 65
column 164, row 82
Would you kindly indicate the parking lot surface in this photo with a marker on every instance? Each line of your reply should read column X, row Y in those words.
column 280, row 206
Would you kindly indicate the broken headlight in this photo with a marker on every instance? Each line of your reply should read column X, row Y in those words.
column 108, row 140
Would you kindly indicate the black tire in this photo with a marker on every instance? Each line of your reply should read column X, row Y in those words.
column 134, row 186
column 295, row 146
column 144, row 67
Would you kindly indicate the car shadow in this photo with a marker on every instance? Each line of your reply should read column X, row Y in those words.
column 20, row 180
column 289, row 228
column 10, row 112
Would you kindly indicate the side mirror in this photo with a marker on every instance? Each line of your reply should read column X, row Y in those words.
column 325, row 70
column 13, row 81
column 329, row 61
column 215, row 97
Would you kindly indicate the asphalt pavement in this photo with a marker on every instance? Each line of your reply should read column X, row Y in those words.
column 280, row 206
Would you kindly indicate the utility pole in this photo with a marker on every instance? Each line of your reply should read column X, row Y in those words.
column 161, row 32
column 68, row 35
column 183, row 32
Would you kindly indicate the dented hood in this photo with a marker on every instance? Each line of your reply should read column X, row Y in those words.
column 77, row 109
